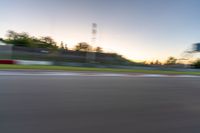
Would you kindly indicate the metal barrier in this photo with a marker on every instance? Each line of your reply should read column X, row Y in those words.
column 6, row 51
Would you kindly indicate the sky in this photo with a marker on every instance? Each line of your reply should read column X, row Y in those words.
column 137, row 29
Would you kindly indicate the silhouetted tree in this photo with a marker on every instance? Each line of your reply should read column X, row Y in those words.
column 151, row 63
column 62, row 45
column 66, row 47
column 11, row 35
column 196, row 64
column 98, row 50
column 83, row 46
column 48, row 40
column 171, row 61
column 19, row 39
column 158, row 63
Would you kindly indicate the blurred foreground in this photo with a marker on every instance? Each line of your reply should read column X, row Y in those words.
column 88, row 104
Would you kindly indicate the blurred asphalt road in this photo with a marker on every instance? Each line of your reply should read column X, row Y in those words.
column 84, row 104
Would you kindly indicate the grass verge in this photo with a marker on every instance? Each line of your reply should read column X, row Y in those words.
column 68, row 68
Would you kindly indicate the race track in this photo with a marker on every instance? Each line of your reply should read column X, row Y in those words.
column 99, row 104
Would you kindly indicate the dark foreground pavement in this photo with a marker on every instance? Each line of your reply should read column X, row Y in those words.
column 74, row 104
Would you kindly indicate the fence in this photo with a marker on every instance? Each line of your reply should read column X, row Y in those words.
column 5, row 51
column 42, row 54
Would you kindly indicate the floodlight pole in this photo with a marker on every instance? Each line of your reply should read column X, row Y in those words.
column 91, row 55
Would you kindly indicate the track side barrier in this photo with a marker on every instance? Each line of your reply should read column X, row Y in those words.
column 28, row 62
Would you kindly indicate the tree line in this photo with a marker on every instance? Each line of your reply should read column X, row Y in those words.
column 25, row 40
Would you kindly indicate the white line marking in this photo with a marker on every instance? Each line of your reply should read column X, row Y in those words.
column 7, row 73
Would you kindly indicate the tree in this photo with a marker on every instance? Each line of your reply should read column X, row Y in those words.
column 1, row 39
column 171, row 61
column 48, row 40
column 196, row 64
column 83, row 46
column 158, row 63
column 19, row 39
column 66, row 47
column 98, row 50
column 62, row 45
column 11, row 35
column 25, row 40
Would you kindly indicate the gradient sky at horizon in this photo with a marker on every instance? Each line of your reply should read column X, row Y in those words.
column 138, row 29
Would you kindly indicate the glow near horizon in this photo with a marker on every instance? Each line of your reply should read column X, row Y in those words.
column 139, row 30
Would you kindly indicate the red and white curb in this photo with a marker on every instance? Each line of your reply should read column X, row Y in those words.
column 13, row 73
column 26, row 62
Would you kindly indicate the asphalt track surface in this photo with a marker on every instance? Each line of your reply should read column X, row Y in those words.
column 89, row 104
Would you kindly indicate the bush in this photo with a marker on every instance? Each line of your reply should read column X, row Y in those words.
column 196, row 64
